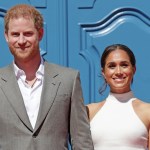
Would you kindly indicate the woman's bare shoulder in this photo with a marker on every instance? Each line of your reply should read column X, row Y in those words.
column 142, row 105
column 142, row 109
column 95, row 105
column 93, row 108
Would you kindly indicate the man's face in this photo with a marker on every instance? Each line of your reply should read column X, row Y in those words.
column 23, row 38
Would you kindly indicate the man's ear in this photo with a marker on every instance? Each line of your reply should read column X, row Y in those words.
column 6, row 36
column 41, row 32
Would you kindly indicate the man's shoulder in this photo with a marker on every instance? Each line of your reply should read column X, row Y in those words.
column 6, row 68
column 60, row 68
column 6, row 72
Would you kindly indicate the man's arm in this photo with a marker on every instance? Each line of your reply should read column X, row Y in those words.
column 79, row 124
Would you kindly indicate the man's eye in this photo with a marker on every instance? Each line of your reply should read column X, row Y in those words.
column 15, row 34
column 28, row 34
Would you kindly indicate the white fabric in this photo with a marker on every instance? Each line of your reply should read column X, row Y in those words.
column 116, row 126
column 31, row 95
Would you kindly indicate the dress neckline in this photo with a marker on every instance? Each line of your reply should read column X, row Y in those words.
column 124, row 97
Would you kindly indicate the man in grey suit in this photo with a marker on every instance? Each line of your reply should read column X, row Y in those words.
column 41, row 104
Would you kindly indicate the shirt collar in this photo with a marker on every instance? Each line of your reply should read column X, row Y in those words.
column 39, row 73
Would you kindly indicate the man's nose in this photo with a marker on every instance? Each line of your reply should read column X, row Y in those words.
column 21, row 39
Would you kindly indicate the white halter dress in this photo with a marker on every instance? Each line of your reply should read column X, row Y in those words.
column 116, row 126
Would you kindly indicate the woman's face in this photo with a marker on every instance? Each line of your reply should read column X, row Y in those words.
column 118, row 71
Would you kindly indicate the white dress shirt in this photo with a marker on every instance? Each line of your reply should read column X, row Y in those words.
column 31, row 95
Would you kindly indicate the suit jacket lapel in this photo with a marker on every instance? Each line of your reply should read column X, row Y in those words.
column 11, row 89
column 49, row 92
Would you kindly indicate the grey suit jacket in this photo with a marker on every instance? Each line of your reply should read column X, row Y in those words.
column 62, row 113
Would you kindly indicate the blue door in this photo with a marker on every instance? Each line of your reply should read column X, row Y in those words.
column 77, row 31
column 94, row 24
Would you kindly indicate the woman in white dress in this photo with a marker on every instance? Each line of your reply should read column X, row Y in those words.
column 122, row 121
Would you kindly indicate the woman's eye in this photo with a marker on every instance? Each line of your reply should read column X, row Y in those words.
column 124, row 65
column 111, row 66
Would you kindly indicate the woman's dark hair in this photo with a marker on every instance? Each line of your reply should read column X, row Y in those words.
column 107, row 51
